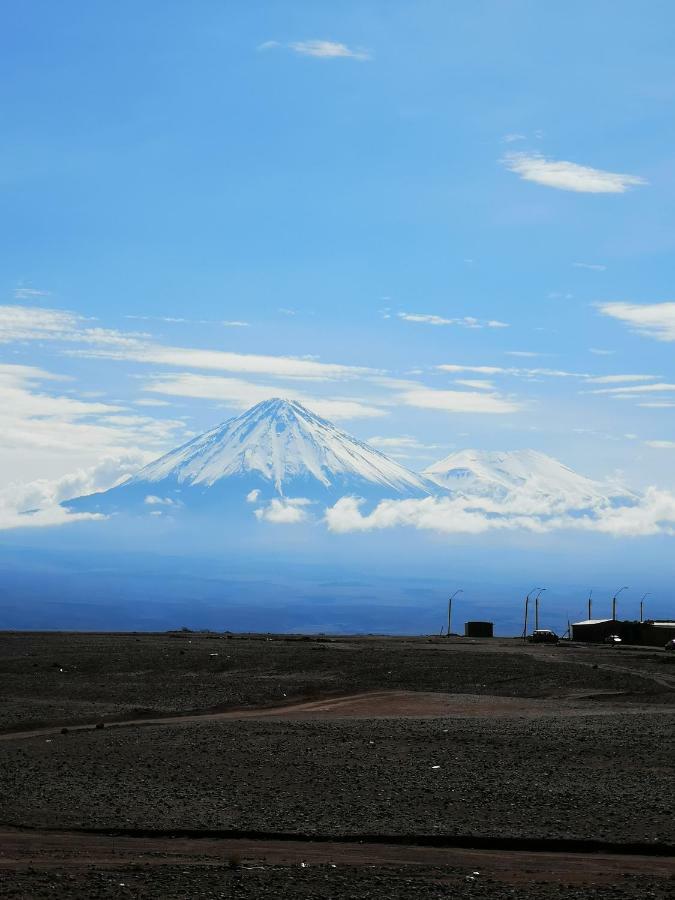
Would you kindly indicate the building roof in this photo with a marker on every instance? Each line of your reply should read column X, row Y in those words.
column 661, row 624
column 591, row 622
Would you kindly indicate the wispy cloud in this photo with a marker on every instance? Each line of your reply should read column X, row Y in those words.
column 611, row 379
column 240, row 394
column 458, row 401
column 661, row 445
column 18, row 323
column 26, row 293
column 593, row 267
column 655, row 320
column 511, row 371
column 636, row 389
column 37, row 423
column 569, row 176
column 463, row 321
column 174, row 320
column 478, row 384
column 320, row 49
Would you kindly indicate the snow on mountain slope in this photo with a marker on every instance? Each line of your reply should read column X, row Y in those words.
column 281, row 440
column 278, row 448
column 523, row 478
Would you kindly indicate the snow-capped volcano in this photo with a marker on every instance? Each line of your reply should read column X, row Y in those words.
column 278, row 448
column 521, row 477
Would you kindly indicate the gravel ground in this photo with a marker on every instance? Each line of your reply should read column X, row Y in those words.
column 69, row 678
column 314, row 883
column 604, row 778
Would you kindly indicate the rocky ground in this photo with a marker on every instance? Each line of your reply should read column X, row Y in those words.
column 455, row 744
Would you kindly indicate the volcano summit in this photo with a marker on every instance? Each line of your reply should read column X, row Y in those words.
column 276, row 449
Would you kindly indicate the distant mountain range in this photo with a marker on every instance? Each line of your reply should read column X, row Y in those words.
column 280, row 451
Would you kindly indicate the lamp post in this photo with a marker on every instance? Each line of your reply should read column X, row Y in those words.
column 527, row 605
column 590, row 604
column 624, row 588
column 536, row 608
column 642, row 607
column 460, row 591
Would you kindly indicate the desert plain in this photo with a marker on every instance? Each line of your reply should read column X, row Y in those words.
column 223, row 765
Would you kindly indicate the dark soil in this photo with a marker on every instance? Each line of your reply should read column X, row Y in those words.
column 312, row 883
column 592, row 758
column 68, row 678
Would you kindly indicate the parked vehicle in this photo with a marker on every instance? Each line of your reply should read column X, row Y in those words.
column 544, row 636
column 612, row 639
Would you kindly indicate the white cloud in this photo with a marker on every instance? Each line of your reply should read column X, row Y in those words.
column 655, row 320
column 653, row 514
column 600, row 352
column 242, row 394
column 26, row 293
column 661, row 445
column 526, row 354
column 404, row 442
column 253, row 496
column 464, row 321
column 18, row 323
column 513, row 137
column 178, row 320
column 329, row 50
column 611, row 379
column 518, row 373
column 569, row 176
column 221, row 360
column 22, row 323
column 35, row 503
column 660, row 387
column 593, row 267
column 288, row 511
column 320, row 49
column 153, row 500
column 46, row 434
column 477, row 383
column 458, row 401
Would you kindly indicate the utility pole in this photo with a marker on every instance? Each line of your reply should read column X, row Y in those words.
column 536, row 609
column 527, row 605
column 642, row 607
column 460, row 591
column 590, row 605
column 624, row 588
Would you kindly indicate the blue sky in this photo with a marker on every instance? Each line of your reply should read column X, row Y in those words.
column 446, row 224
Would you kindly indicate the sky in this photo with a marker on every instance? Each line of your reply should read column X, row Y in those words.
column 442, row 226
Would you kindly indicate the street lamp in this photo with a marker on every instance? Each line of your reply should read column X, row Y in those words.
column 460, row 591
column 624, row 588
column 536, row 608
column 642, row 606
column 527, row 604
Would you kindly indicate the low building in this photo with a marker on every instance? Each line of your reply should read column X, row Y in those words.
column 657, row 634
column 650, row 633
column 478, row 629
column 593, row 630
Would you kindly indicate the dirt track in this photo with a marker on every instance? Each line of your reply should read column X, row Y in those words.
column 375, row 705
column 73, row 851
